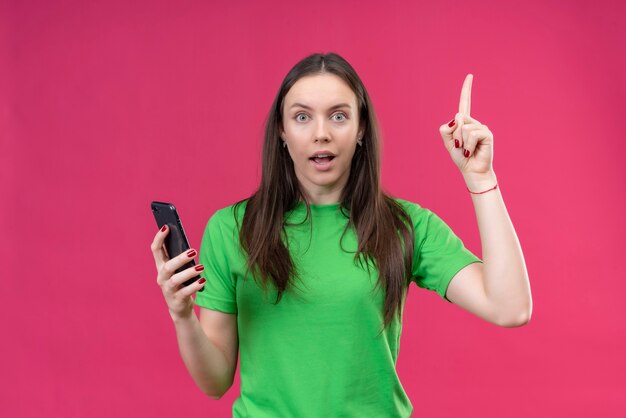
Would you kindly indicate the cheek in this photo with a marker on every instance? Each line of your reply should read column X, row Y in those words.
column 297, row 152
column 294, row 129
column 296, row 138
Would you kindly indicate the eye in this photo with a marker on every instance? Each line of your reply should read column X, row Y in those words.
column 298, row 117
column 343, row 116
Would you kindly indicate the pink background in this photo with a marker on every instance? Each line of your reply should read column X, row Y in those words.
column 101, row 102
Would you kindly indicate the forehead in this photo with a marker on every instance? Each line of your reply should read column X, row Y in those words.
column 320, row 90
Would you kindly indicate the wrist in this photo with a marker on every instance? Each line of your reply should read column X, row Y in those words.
column 478, row 183
column 183, row 318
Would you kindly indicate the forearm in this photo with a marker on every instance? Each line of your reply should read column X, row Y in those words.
column 205, row 362
column 505, row 277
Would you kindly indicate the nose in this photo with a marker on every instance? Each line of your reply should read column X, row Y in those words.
column 321, row 132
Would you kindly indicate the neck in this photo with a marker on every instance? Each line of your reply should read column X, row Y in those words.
column 322, row 196
column 322, row 201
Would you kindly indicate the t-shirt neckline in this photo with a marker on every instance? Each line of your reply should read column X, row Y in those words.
column 317, row 209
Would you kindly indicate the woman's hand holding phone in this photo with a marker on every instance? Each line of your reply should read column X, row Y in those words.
column 177, row 296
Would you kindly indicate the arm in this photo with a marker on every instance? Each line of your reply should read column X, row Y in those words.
column 498, row 290
column 209, row 349
column 208, row 346
column 503, row 275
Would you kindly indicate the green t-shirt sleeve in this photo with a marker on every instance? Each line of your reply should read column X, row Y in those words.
column 216, row 250
column 439, row 254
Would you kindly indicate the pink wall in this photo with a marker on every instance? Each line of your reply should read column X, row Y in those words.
column 101, row 101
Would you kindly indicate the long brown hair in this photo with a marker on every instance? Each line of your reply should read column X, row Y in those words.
column 383, row 228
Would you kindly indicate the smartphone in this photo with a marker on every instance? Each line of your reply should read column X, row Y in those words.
column 176, row 241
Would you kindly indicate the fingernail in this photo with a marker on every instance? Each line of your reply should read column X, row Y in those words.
column 191, row 253
column 202, row 280
column 164, row 228
column 466, row 153
column 199, row 267
column 456, row 143
column 451, row 123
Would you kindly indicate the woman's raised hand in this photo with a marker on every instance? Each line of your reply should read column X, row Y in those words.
column 469, row 142
column 178, row 297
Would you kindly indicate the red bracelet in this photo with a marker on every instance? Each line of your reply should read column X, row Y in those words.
column 494, row 187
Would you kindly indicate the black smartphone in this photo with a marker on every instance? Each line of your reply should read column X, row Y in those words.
column 176, row 241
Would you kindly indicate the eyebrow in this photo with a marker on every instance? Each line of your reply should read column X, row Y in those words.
column 337, row 106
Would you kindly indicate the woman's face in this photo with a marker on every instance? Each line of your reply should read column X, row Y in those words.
column 320, row 117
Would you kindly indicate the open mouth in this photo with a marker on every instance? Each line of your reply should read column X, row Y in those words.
column 322, row 159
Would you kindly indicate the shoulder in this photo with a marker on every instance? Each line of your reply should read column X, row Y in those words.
column 419, row 215
column 227, row 218
column 230, row 214
column 406, row 204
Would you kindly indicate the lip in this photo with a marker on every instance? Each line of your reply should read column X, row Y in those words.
column 322, row 152
column 324, row 166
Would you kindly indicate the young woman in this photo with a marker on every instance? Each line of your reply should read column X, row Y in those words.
column 306, row 279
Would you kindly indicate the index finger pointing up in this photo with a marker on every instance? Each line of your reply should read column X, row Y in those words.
column 466, row 95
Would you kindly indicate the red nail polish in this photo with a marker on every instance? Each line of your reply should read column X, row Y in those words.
column 451, row 123
column 191, row 253
column 466, row 153
column 202, row 280
column 199, row 267
column 164, row 228
column 456, row 143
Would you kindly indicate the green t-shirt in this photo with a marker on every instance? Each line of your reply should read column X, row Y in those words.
column 319, row 351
